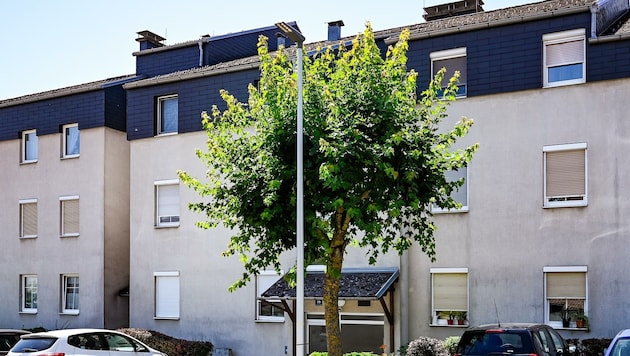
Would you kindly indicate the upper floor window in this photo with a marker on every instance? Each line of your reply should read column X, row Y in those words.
column 449, row 288
column 453, row 60
column 566, row 295
column 28, row 218
column 29, row 146
column 28, row 294
column 167, row 114
column 71, row 141
column 70, row 294
column 564, row 56
column 167, row 203
column 565, row 183
column 69, row 206
column 267, row 310
column 166, row 295
column 460, row 195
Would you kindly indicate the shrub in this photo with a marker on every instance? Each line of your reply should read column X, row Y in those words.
column 450, row 343
column 170, row 345
column 426, row 346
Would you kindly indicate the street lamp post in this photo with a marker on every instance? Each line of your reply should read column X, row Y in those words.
column 298, row 38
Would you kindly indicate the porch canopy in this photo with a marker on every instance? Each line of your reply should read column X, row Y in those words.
column 368, row 283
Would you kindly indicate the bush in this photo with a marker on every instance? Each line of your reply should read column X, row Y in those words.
column 450, row 343
column 426, row 346
column 170, row 345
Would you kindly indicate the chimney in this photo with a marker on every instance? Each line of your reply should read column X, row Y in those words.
column 149, row 40
column 334, row 30
column 456, row 8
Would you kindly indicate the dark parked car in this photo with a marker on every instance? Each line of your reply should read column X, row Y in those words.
column 512, row 339
column 8, row 338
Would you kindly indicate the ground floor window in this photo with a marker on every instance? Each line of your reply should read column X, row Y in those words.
column 359, row 332
column 566, row 295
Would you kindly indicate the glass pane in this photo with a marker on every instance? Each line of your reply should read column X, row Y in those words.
column 72, row 140
column 30, row 147
column 562, row 73
column 316, row 338
column 168, row 121
column 368, row 338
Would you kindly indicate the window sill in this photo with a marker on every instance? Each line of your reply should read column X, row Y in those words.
column 272, row 321
column 69, row 235
column 450, row 326
column 28, row 312
column 166, row 134
column 70, row 313
column 70, row 157
column 28, row 162
column 29, row 237
column 165, row 318
column 166, row 226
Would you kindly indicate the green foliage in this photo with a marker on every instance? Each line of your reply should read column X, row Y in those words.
column 374, row 159
column 450, row 343
column 589, row 347
column 426, row 346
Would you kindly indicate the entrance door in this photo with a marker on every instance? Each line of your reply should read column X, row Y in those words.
column 359, row 332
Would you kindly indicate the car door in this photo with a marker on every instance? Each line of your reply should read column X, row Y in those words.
column 560, row 345
column 547, row 342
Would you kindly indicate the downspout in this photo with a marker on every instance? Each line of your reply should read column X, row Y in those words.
column 594, row 10
column 403, row 315
column 201, row 51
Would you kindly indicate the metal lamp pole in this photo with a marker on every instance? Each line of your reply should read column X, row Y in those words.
column 298, row 38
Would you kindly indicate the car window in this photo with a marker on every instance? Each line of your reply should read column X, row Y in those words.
column 90, row 341
column 6, row 341
column 34, row 344
column 545, row 342
column 121, row 343
column 482, row 343
column 621, row 348
column 557, row 341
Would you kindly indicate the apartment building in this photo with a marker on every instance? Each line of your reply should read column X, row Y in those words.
column 541, row 230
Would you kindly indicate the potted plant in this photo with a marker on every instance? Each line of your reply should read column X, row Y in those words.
column 461, row 318
column 565, row 315
column 581, row 320
column 451, row 318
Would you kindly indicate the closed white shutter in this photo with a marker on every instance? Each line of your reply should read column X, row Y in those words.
column 70, row 217
column 29, row 220
column 565, row 53
column 566, row 285
column 566, row 173
column 168, row 204
column 450, row 291
column 167, row 296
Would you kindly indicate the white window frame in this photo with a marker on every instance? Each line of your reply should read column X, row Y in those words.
column 170, row 219
column 33, row 144
column 65, row 287
column 66, row 129
column 557, row 39
column 264, row 280
column 571, row 200
column 450, row 54
column 436, row 309
column 24, row 287
column 160, row 115
column 464, row 208
column 563, row 269
column 62, row 212
column 22, row 204
column 167, row 295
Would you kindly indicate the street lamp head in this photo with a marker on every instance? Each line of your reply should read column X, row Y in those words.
column 291, row 32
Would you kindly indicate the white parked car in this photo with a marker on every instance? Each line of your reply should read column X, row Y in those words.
column 81, row 342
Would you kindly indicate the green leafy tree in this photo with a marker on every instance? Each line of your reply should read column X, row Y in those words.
column 374, row 161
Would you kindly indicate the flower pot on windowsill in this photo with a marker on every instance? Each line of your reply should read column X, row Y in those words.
column 461, row 322
column 450, row 321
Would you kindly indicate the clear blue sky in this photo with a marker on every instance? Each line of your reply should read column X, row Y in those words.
column 48, row 44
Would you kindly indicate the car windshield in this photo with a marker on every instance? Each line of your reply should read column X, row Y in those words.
column 621, row 348
column 484, row 343
column 33, row 344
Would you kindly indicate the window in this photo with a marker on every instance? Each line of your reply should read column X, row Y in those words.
column 167, row 114
column 29, row 146
column 71, row 141
column 267, row 310
column 69, row 216
column 166, row 295
column 566, row 292
column 28, row 218
column 28, row 293
column 565, row 176
column 564, row 56
column 453, row 60
column 167, row 203
column 70, row 294
column 449, row 287
column 460, row 195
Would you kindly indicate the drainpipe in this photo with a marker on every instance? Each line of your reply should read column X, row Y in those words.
column 403, row 315
column 594, row 10
column 202, row 39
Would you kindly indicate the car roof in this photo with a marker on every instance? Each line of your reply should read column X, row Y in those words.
column 66, row 332
column 511, row 326
column 623, row 333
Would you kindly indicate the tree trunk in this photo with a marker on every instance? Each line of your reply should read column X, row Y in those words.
column 331, row 286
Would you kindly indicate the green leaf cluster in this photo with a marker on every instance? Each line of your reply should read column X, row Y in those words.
column 375, row 156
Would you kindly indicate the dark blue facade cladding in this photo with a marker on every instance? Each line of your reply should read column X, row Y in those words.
column 194, row 97
column 215, row 50
column 89, row 109
column 501, row 59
